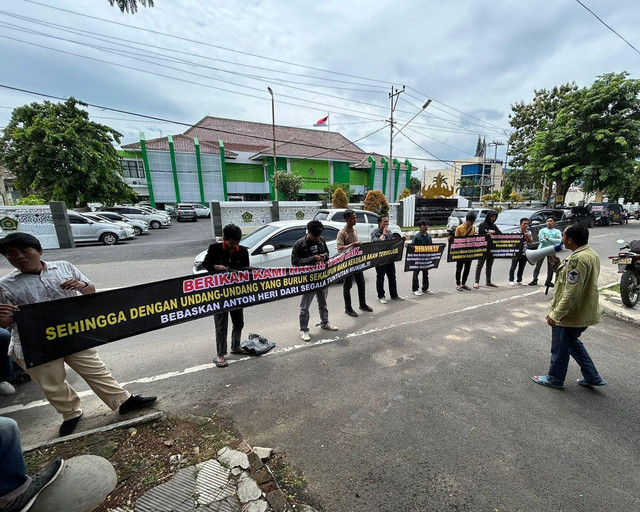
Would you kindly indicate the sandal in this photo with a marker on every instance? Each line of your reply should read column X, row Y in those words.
column 584, row 382
column 476, row 286
column 465, row 287
column 241, row 350
column 459, row 288
column 221, row 364
column 543, row 380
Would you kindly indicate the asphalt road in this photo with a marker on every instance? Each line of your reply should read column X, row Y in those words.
column 425, row 404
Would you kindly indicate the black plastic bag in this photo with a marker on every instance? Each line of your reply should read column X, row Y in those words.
column 257, row 345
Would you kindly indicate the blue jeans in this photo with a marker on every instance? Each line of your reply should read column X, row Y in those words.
column 520, row 263
column 565, row 342
column 13, row 474
column 6, row 364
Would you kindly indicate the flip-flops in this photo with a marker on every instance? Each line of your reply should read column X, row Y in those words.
column 543, row 380
column 221, row 364
column 241, row 350
column 584, row 382
column 476, row 286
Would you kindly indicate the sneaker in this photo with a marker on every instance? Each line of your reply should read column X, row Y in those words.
column 397, row 297
column 511, row 283
column 351, row 312
column 39, row 482
column 304, row 336
column 329, row 327
column 417, row 293
column 136, row 402
column 534, row 283
column 68, row 426
column 365, row 307
column 6, row 389
column 382, row 300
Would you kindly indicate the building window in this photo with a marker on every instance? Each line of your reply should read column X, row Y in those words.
column 132, row 169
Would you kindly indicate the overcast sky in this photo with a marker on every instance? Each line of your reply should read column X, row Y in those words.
column 184, row 59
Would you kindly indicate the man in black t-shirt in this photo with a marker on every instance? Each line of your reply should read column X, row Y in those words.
column 310, row 250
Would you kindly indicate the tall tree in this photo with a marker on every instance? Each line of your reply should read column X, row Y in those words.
column 415, row 185
column 527, row 119
column 131, row 5
column 57, row 153
column 594, row 138
column 480, row 147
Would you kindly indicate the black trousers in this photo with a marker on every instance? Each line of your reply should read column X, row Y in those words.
column 221, row 321
column 462, row 267
column 346, row 289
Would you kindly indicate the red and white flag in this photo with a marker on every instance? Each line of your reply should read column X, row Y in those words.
column 323, row 121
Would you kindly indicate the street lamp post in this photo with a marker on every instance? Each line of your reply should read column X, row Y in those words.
column 273, row 126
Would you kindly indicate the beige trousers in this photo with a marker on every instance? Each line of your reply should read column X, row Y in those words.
column 52, row 379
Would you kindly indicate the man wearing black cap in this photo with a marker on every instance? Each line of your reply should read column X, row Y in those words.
column 33, row 281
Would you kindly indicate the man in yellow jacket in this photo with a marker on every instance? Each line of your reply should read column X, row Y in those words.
column 575, row 307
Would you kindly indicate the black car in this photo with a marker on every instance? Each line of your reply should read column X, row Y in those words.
column 580, row 214
column 509, row 221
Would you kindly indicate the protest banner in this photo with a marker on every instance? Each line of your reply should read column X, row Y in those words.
column 463, row 248
column 54, row 329
column 506, row 246
column 423, row 257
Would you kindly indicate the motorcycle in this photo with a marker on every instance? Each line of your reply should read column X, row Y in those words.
column 629, row 266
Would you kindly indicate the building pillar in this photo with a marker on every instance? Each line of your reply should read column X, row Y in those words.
column 216, row 218
column 174, row 167
column 147, row 171
column 196, row 145
column 372, row 172
column 275, row 211
column 385, row 171
column 61, row 224
column 223, row 169
column 408, row 177
column 396, row 163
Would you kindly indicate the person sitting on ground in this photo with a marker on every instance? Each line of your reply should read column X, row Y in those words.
column 309, row 250
column 463, row 267
column 389, row 269
column 487, row 227
column 222, row 257
column 33, row 281
column 422, row 237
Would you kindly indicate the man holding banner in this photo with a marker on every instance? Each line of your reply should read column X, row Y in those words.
column 422, row 237
column 310, row 250
column 388, row 269
column 222, row 257
column 348, row 239
column 35, row 280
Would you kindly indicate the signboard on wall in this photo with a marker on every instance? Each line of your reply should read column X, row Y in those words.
column 436, row 211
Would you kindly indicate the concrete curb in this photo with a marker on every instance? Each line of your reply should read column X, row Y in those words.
column 610, row 306
column 156, row 416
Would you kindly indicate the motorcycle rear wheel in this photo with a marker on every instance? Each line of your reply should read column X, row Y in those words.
column 629, row 289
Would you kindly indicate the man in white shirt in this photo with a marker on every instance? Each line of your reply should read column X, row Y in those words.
column 547, row 237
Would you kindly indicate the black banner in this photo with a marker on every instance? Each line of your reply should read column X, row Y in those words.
column 506, row 246
column 54, row 329
column 436, row 211
column 464, row 248
column 423, row 257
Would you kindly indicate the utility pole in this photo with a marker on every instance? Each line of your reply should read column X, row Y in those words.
column 273, row 126
column 495, row 157
column 394, row 94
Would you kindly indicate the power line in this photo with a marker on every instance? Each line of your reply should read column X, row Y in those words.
column 230, row 49
column 612, row 30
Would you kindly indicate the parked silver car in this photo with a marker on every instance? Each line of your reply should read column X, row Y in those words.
column 155, row 220
column 97, row 218
column 87, row 230
column 140, row 227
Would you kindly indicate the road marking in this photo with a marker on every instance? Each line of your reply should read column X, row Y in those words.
column 602, row 236
column 209, row 366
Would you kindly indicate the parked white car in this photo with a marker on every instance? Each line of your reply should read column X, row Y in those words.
column 270, row 245
column 201, row 210
column 140, row 227
column 155, row 220
column 97, row 218
column 366, row 222
column 87, row 230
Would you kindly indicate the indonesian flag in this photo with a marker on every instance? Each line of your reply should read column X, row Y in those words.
column 323, row 121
